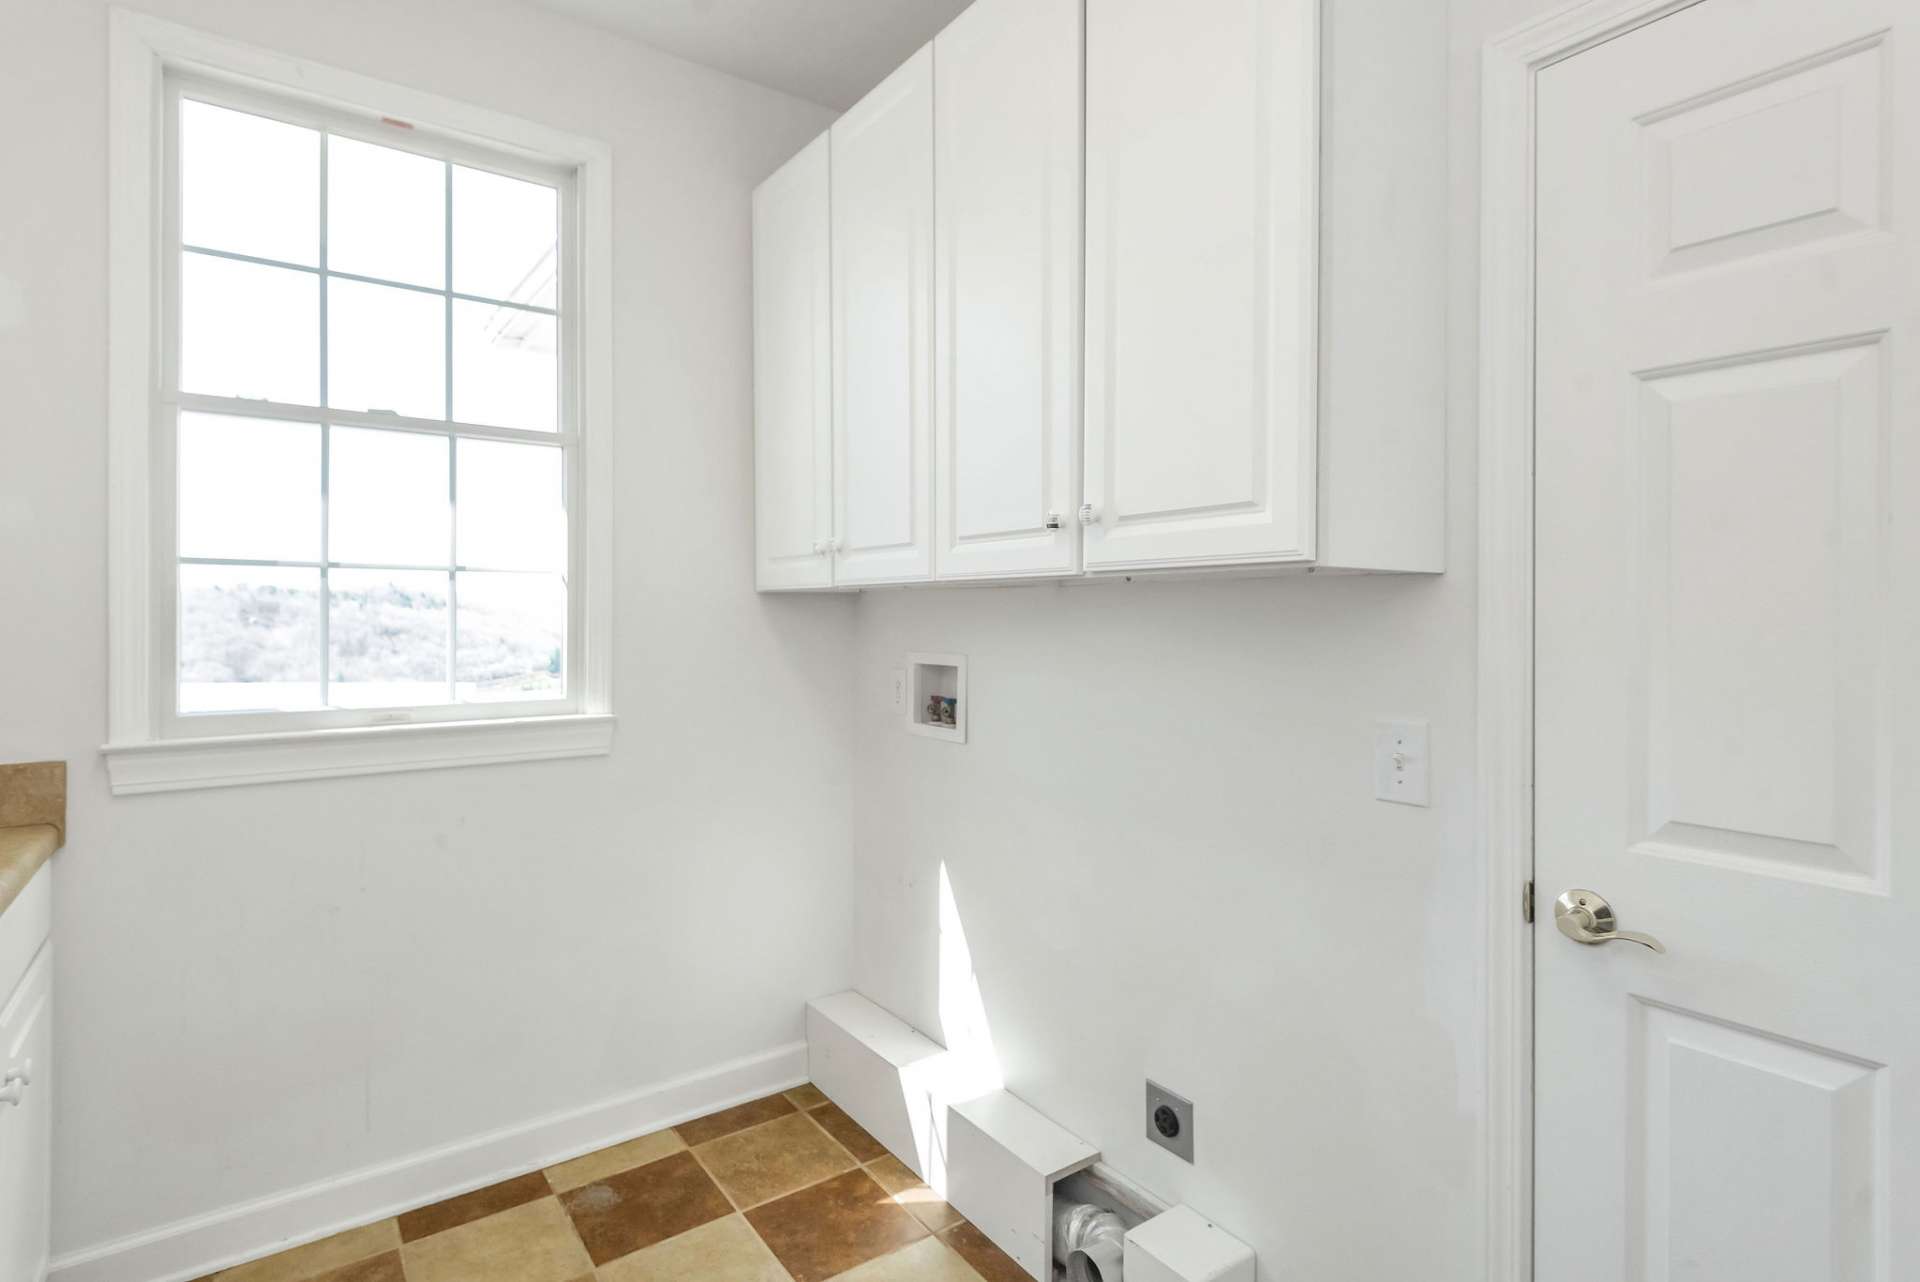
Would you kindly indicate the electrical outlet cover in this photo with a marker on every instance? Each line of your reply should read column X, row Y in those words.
column 1170, row 1121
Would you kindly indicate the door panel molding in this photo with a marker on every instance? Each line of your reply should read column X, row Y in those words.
column 1503, row 802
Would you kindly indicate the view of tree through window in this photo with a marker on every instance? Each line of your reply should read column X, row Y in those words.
column 370, row 452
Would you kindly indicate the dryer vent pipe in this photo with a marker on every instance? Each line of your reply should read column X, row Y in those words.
column 1088, row 1241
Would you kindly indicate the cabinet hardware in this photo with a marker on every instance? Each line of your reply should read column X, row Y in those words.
column 1086, row 514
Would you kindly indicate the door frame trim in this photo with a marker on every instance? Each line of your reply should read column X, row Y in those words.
column 1504, row 801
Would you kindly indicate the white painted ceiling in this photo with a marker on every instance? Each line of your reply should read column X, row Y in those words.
column 827, row 51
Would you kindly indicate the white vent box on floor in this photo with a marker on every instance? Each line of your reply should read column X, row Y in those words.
column 883, row 1073
column 1184, row 1246
column 1003, row 1159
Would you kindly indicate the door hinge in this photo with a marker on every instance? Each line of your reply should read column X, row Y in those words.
column 1526, row 902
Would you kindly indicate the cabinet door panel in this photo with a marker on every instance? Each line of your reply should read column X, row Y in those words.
column 26, row 1132
column 1202, row 124
column 793, row 375
column 882, row 330
column 1007, row 227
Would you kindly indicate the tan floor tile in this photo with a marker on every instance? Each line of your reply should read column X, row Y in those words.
column 724, row 1251
column 477, row 1205
column 833, row 1226
column 808, row 1096
column 910, row 1191
column 530, row 1243
column 988, row 1260
column 772, row 1160
column 627, row 1212
column 737, row 1118
column 303, row 1262
column 849, row 1132
column 929, row 1260
column 612, row 1161
column 380, row 1268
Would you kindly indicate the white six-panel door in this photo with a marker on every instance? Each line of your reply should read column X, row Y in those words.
column 1201, row 297
column 793, row 375
column 1728, row 543
column 883, row 330
column 1007, row 228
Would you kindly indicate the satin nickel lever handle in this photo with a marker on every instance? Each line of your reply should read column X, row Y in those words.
column 1586, row 918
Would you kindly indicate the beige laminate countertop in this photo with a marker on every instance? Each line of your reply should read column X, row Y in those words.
column 22, row 851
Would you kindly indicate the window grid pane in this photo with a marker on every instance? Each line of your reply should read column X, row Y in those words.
column 498, row 671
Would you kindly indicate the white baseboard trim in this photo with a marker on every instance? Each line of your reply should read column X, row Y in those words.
column 197, row 1246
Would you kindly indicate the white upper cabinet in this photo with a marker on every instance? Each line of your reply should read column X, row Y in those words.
column 1202, row 210
column 1007, row 248
column 793, row 375
column 1082, row 317
column 882, row 220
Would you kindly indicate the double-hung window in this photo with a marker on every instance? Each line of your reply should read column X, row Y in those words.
column 365, row 433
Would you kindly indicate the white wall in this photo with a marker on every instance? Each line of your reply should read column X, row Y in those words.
column 1162, row 839
column 267, row 986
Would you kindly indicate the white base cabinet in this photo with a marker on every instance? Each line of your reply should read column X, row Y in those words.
column 26, row 1064
column 1036, row 377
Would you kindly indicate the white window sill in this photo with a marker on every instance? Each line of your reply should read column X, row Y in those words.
column 176, row 765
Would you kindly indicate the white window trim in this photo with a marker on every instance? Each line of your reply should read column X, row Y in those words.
column 140, row 756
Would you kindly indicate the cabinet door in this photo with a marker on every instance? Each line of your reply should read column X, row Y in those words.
column 26, row 1128
column 793, row 375
column 1201, row 296
column 883, row 329
column 1007, row 229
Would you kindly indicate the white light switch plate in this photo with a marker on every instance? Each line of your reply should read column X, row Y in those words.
column 899, row 689
column 1400, row 762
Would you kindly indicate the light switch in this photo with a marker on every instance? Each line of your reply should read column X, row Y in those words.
column 1400, row 762
column 899, row 689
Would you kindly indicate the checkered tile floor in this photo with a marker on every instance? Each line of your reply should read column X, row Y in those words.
column 782, row 1189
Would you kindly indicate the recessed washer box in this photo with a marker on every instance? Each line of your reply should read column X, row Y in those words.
column 937, row 684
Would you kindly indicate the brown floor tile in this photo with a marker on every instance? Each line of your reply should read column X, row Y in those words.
column 724, row 1251
column 635, row 1209
column 831, row 1227
column 533, row 1242
column 808, row 1096
column 303, row 1262
column 988, row 1260
column 927, row 1260
column 612, row 1161
column 381, row 1268
column 849, row 1132
column 476, row 1205
column 771, row 1160
column 737, row 1118
column 910, row 1191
